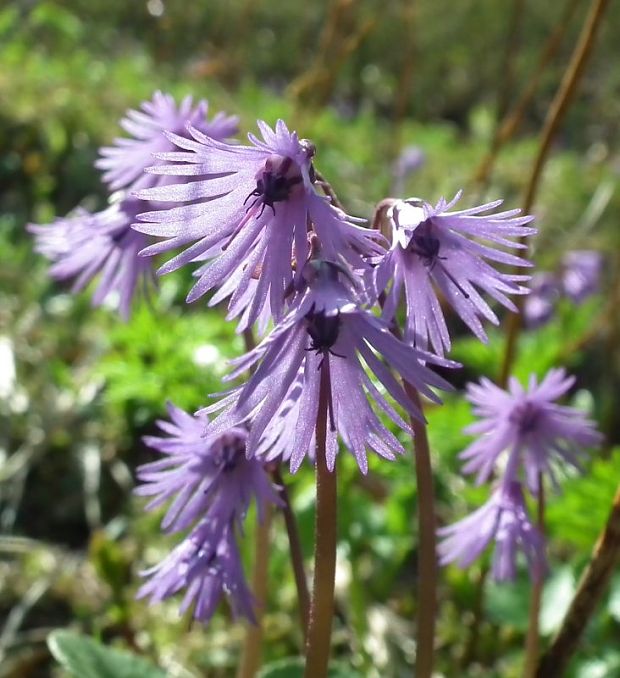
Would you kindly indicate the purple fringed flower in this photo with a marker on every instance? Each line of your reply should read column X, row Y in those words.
column 540, row 303
column 249, row 213
column 86, row 245
column 207, row 568
column 123, row 163
column 536, row 433
column 432, row 245
column 209, row 483
column 581, row 274
column 327, row 328
column 503, row 519
column 202, row 475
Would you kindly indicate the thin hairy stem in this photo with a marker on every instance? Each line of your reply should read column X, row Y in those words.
column 252, row 646
column 555, row 116
column 297, row 558
column 322, row 605
column 592, row 586
column 532, row 640
column 428, row 570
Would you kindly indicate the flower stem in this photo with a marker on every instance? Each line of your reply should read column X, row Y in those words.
column 532, row 644
column 252, row 646
column 428, row 571
column 555, row 115
column 589, row 592
column 322, row 605
column 297, row 558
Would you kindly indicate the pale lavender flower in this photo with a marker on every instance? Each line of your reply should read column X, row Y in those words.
column 207, row 567
column 540, row 302
column 433, row 247
column 502, row 519
column 581, row 274
column 209, row 483
column 249, row 211
column 536, row 433
column 102, row 244
column 123, row 163
column 202, row 475
column 410, row 160
column 327, row 326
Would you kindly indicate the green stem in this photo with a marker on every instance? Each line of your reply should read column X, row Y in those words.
column 322, row 605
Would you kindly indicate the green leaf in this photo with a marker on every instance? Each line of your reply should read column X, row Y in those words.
column 84, row 657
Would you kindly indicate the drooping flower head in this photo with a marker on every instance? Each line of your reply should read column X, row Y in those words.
column 87, row 244
column 123, row 163
column 209, row 484
column 581, row 274
column 433, row 248
column 327, row 329
column 502, row 519
column 540, row 303
column 207, row 569
column 537, row 434
column 248, row 210
column 102, row 244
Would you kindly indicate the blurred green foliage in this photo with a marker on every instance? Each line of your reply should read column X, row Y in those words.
column 80, row 388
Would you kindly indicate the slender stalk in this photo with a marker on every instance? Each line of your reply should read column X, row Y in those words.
column 593, row 584
column 251, row 651
column 428, row 570
column 532, row 640
column 297, row 558
column 513, row 119
column 555, row 116
column 252, row 647
column 322, row 605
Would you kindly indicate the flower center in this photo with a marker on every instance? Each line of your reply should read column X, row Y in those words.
column 274, row 183
column 323, row 330
column 526, row 416
column 425, row 244
column 230, row 450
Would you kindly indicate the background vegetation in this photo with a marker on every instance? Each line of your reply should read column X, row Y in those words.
column 78, row 388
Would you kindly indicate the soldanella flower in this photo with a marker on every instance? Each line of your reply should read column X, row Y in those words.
column 123, row 163
column 502, row 519
column 327, row 330
column 87, row 245
column 537, row 435
column 540, row 303
column 248, row 210
column 581, row 274
column 207, row 568
column 208, row 483
column 434, row 248
column 202, row 475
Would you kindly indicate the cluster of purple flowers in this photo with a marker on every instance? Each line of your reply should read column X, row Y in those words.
column 253, row 221
column 525, row 438
column 577, row 279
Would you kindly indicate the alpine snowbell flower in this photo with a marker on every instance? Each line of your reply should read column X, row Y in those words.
column 123, row 164
column 326, row 329
column 88, row 244
column 207, row 568
column 247, row 209
column 209, row 483
column 581, row 274
column 503, row 519
column 540, row 303
column 537, row 434
column 433, row 247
